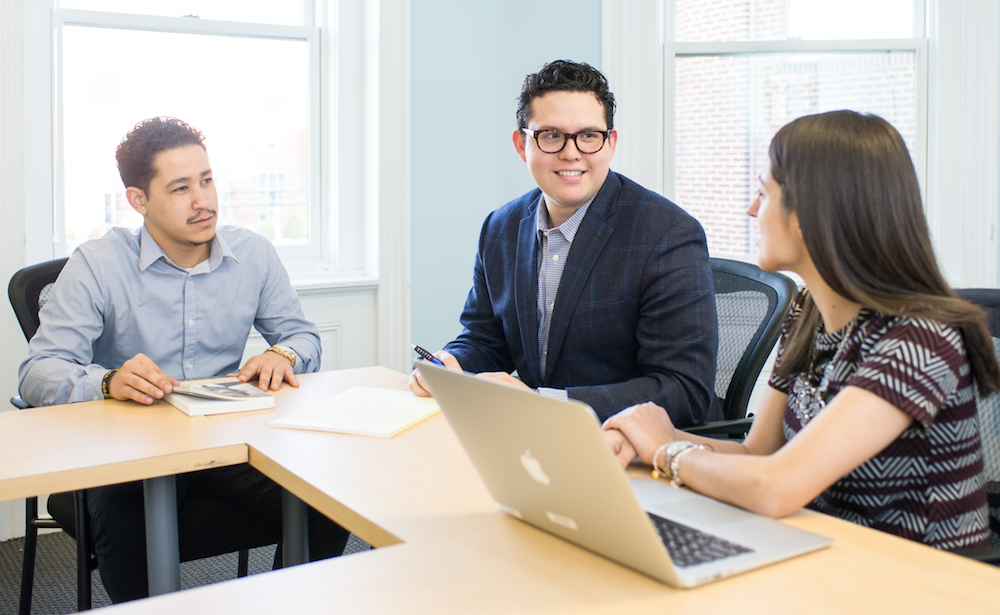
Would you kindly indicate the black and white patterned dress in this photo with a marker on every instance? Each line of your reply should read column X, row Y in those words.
column 928, row 484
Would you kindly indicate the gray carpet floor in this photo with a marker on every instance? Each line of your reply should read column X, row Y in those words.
column 55, row 573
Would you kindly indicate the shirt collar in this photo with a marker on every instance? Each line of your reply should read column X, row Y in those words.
column 567, row 228
column 150, row 252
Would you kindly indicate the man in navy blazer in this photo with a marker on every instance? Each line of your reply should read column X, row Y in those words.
column 590, row 286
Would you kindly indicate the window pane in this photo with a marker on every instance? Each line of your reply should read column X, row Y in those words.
column 249, row 96
column 729, row 107
column 770, row 20
column 278, row 12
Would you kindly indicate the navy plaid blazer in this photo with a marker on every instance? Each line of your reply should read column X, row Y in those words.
column 634, row 317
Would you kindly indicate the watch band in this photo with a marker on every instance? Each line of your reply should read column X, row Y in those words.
column 106, row 383
column 673, row 454
column 288, row 353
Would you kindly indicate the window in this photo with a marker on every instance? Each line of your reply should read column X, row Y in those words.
column 738, row 70
column 246, row 73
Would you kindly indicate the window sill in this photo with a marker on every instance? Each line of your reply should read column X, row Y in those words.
column 311, row 282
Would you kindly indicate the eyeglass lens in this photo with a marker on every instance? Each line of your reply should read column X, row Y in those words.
column 553, row 141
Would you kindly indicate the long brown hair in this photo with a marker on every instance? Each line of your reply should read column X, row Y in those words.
column 851, row 183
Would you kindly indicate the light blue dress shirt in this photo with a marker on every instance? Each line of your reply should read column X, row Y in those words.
column 553, row 250
column 120, row 295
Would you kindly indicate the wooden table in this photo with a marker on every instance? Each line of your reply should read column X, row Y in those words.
column 443, row 546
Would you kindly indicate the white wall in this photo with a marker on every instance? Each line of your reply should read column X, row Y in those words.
column 12, row 212
column 469, row 60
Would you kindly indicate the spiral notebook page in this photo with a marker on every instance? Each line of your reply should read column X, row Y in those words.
column 365, row 411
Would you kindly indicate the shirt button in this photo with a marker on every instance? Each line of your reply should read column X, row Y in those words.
column 555, row 257
column 190, row 365
column 552, row 306
column 191, row 322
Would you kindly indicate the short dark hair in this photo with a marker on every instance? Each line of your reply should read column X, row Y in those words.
column 148, row 138
column 565, row 76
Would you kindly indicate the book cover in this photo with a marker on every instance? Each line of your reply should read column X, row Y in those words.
column 364, row 411
column 217, row 396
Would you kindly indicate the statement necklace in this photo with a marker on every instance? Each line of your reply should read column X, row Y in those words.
column 807, row 398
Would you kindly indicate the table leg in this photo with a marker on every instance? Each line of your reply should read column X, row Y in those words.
column 162, row 549
column 83, row 547
column 294, row 530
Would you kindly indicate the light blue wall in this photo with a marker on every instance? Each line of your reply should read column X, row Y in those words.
column 468, row 61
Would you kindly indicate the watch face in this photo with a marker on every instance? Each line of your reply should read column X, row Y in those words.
column 676, row 447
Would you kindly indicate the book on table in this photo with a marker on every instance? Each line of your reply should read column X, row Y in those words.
column 364, row 411
column 205, row 396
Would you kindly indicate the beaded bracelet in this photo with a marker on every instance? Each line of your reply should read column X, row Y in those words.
column 675, row 462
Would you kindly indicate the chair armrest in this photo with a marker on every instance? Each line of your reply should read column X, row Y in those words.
column 736, row 428
column 988, row 555
column 19, row 403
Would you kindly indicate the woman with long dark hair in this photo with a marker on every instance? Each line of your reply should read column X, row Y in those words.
column 871, row 412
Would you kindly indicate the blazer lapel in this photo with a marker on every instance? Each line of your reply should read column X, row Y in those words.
column 525, row 293
column 588, row 243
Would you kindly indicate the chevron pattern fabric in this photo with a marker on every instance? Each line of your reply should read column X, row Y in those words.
column 929, row 484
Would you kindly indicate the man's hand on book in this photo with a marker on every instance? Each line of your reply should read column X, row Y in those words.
column 141, row 380
column 270, row 369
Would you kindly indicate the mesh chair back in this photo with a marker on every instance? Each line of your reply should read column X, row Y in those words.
column 988, row 409
column 751, row 304
column 29, row 289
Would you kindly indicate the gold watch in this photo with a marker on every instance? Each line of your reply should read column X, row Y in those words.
column 288, row 353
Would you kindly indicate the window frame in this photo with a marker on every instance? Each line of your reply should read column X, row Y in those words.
column 366, row 99
column 342, row 250
column 962, row 143
column 751, row 49
column 655, row 81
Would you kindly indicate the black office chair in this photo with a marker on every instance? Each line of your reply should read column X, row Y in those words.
column 989, row 427
column 751, row 304
column 206, row 527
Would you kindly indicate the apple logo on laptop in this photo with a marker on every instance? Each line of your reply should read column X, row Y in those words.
column 534, row 468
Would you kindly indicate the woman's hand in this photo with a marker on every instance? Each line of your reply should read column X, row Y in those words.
column 620, row 446
column 645, row 426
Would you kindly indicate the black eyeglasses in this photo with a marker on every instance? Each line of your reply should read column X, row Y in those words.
column 553, row 141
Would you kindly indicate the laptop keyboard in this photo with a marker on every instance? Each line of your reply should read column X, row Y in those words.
column 688, row 546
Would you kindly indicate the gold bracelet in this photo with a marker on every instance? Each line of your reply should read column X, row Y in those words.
column 278, row 350
column 106, row 383
column 657, row 472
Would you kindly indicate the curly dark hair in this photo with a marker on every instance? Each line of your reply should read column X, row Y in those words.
column 565, row 76
column 148, row 138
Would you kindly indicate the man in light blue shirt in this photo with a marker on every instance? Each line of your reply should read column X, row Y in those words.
column 122, row 301
column 136, row 310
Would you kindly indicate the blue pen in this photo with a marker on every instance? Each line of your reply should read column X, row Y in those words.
column 423, row 354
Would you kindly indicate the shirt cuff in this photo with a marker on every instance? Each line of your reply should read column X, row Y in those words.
column 553, row 393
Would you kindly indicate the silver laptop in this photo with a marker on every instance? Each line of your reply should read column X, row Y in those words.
column 546, row 463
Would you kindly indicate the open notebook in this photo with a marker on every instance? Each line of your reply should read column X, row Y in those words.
column 365, row 411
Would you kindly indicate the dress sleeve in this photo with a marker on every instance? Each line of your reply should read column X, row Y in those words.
column 915, row 365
